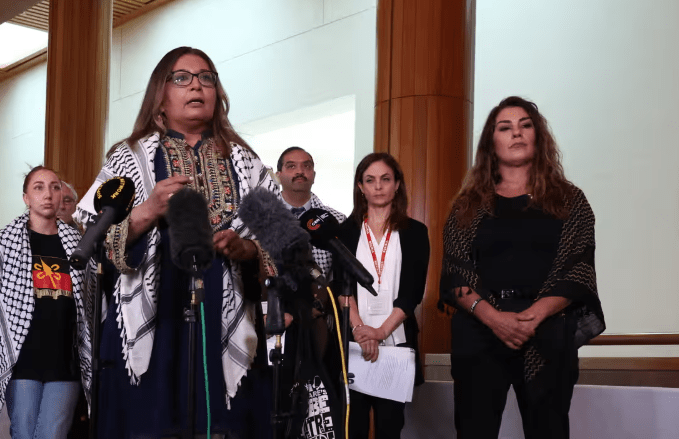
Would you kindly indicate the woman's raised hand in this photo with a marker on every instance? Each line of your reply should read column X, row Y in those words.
column 146, row 215
column 162, row 192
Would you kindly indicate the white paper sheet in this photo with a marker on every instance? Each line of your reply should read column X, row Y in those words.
column 392, row 376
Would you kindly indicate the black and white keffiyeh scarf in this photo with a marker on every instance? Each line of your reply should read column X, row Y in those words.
column 17, row 299
column 572, row 274
column 135, row 292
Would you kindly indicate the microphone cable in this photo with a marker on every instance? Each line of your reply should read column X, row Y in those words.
column 207, row 387
column 344, row 362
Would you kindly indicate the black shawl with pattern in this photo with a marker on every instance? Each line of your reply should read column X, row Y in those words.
column 572, row 275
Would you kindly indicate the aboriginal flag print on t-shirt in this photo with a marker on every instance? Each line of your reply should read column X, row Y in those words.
column 49, row 351
column 51, row 277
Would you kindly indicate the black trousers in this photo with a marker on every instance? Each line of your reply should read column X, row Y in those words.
column 388, row 416
column 483, row 368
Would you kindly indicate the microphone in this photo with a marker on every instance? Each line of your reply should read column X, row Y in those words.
column 187, row 217
column 279, row 233
column 322, row 227
column 113, row 202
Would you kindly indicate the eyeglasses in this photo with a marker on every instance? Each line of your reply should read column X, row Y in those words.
column 182, row 78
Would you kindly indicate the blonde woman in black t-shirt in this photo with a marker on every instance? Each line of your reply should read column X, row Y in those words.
column 42, row 315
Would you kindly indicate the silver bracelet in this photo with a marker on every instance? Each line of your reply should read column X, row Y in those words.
column 476, row 302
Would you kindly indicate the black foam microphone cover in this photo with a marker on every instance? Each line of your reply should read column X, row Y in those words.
column 188, row 221
column 113, row 202
column 118, row 193
column 323, row 227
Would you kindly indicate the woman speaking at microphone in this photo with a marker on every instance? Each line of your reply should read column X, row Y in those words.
column 395, row 250
column 45, row 341
column 182, row 138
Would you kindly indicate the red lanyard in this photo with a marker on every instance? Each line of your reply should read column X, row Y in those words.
column 378, row 268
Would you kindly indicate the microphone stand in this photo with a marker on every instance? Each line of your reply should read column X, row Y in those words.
column 275, row 325
column 96, row 335
column 191, row 314
column 348, row 290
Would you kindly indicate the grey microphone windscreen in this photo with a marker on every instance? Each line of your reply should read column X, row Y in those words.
column 276, row 228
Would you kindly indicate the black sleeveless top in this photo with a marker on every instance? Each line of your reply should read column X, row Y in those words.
column 515, row 248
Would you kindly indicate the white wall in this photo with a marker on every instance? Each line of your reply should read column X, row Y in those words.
column 22, row 130
column 327, row 132
column 605, row 74
column 272, row 56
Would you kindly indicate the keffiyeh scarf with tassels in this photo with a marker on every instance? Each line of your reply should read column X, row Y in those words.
column 135, row 291
column 17, row 299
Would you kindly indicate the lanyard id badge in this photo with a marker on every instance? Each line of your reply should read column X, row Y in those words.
column 379, row 268
column 381, row 304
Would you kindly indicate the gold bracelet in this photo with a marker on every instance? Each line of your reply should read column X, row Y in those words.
column 357, row 326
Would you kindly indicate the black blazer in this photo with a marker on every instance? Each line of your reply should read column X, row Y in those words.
column 415, row 262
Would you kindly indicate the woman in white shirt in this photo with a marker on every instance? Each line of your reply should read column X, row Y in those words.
column 395, row 250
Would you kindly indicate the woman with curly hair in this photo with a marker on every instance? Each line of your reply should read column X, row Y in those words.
column 519, row 268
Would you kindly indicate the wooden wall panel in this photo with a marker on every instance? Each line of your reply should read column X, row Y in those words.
column 422, row 117
column 635, row 339
column 630, row 363
column 77, row 89
column 630, row 371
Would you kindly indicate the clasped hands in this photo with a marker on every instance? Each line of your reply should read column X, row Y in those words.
column 515, row 329
column 369, row 339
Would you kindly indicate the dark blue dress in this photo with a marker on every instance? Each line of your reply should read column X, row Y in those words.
column 157, row 407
